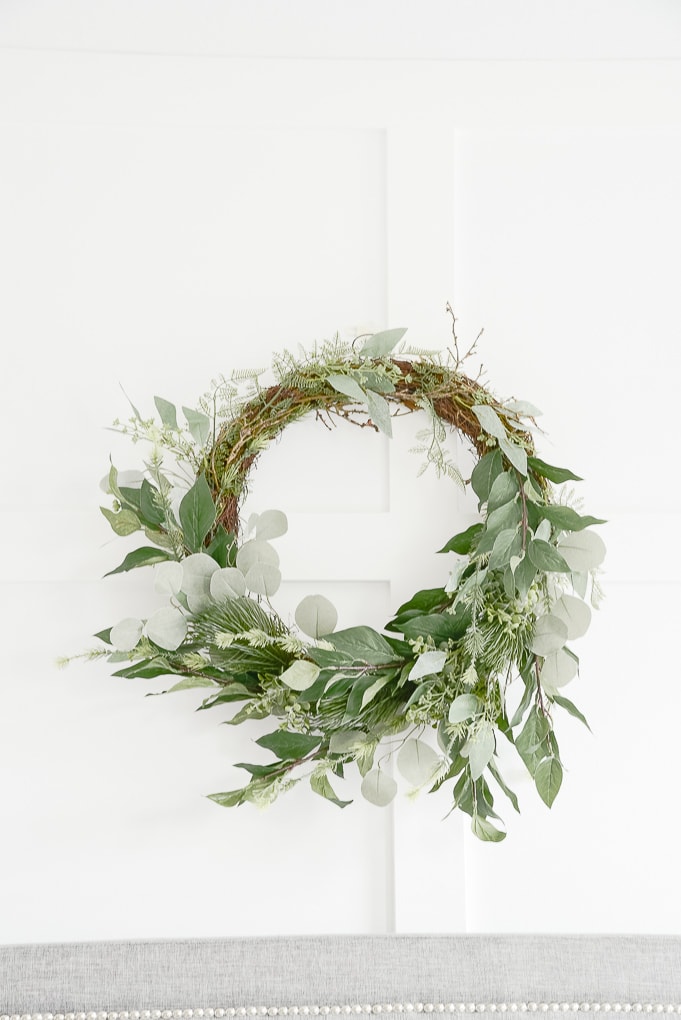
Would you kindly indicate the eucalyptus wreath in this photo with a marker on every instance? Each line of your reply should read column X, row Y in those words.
column 516, row 589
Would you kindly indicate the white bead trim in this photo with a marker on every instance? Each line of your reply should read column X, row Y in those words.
column 394, row 1007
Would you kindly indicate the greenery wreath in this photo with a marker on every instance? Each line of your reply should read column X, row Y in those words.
column 515, row 595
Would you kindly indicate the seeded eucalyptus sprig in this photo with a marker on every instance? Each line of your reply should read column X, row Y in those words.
column 514, row 596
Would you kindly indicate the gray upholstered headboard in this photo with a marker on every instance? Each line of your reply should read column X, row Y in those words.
column 339, row 975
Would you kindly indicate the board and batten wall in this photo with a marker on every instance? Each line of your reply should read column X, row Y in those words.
column 165, row 219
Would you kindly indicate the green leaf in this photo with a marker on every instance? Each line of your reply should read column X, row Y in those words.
column 381, row 344
column 485, row 472
column 508, row 543
column 289, row 746
column 462, row 543
column 484, row 830
column 150, row 507
column 439, row 626
column 199, row 425
column 197, row 513
column 554, row 474
column 545, row 556
column 550, row 634
column 189, row 682
column 379, row 409
column 348, row 386
column 231, row 798
column 263, row 579
column 582, row 551
column 271, row 524
column 144, row 557
column 504, row 488
column 567, row 519
column 548, row 779
column 571, row 708
column 104, row 635
column 490, row 421
column 360, row 689
column 125, row 522
column 223, row 547
column 146, row 669
column 130, row 497
column 515, row 455
column 523, row 576
column 506, row 516
column 321, row 785
column 167, row 412
column 424, row 600
column 363, row 644
column 479, row 749
column 501, row 783
column 376, row 381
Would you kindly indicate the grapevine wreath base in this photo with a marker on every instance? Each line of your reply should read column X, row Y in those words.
column 514, row 595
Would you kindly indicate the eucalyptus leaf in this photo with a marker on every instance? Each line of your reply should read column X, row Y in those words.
column 543, row 532
column 316, row 616
column 516, row 455
column 167, row 412
column 571, row 708
column 507, row 544
column 504, row 517
column 379, row 409
column 427, row 664
column 381, row 344
column 378, row 788
column 485, row 831
column 574, row 613
column 504, row 488
column 346, row 741
column 271, row 524
column 545, row 556
column 126, row 635
column 523, row 408
column 465, row 706
column 479, row 749
column 550, row 634
column 199, row 425
column 300, row 675
column 582, row 550
column 417, row 761
column 227, row 583
column 263, row 579
column 167, row 628
column 197, row 513
column 319, row 782
column 485, row 472
column 559, row 668
column 197, row 571
column 548, row 778
column 489, row 420
column 348, row 386
column 255, row 552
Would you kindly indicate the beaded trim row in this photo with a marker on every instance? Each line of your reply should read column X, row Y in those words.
column 394, row 1007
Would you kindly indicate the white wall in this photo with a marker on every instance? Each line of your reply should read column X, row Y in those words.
column 184, row 193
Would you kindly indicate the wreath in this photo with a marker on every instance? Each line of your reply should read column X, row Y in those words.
column 516, row 588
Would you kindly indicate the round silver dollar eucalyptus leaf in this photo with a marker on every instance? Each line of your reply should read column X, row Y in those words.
column 316, row 616
column 263, row 579
column 167, row 628
column 126, row 634
column 559, row 669
column 582, row 550
column 378, row 788
column 271, row 524
column 168, row 578
column 466, row 706
column 574, row 613
column 197, row 571
column 256, row 551
column 227, row 583
column 550, row 634
column 417, row 761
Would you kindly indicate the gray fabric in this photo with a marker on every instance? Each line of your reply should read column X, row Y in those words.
column 338, row 970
